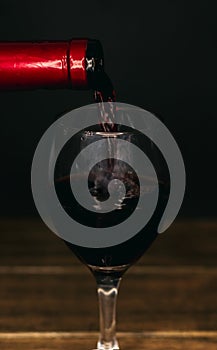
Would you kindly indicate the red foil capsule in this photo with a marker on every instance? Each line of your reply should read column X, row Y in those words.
column 53, row 65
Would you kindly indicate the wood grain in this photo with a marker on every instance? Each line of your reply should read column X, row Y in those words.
column 68, row 302
column 168, row 300
column 127, row 341
column 29, row 242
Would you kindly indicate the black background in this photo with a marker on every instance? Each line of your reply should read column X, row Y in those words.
column 161, row 56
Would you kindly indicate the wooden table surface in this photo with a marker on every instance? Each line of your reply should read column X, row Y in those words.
column 167, row 301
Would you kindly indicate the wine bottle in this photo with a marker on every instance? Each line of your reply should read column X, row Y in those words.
column 49, row 64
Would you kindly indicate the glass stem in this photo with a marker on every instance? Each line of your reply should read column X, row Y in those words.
column 107, row 288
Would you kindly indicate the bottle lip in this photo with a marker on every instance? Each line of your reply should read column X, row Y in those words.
column 85, row 59
column 94, row 56
column 94, row 62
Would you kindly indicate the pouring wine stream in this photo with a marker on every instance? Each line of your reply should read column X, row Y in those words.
column 107, row 282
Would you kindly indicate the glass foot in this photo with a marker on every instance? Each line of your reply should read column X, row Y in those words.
column 107, row 346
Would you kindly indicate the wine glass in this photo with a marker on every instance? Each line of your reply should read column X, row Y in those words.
column 101, row 180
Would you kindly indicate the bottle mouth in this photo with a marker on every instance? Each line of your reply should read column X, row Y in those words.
column 94, row 56
column 84, row 61
column 94, row 64
column 97, row 78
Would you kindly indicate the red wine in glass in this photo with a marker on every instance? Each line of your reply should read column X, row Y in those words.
column 108, row 264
